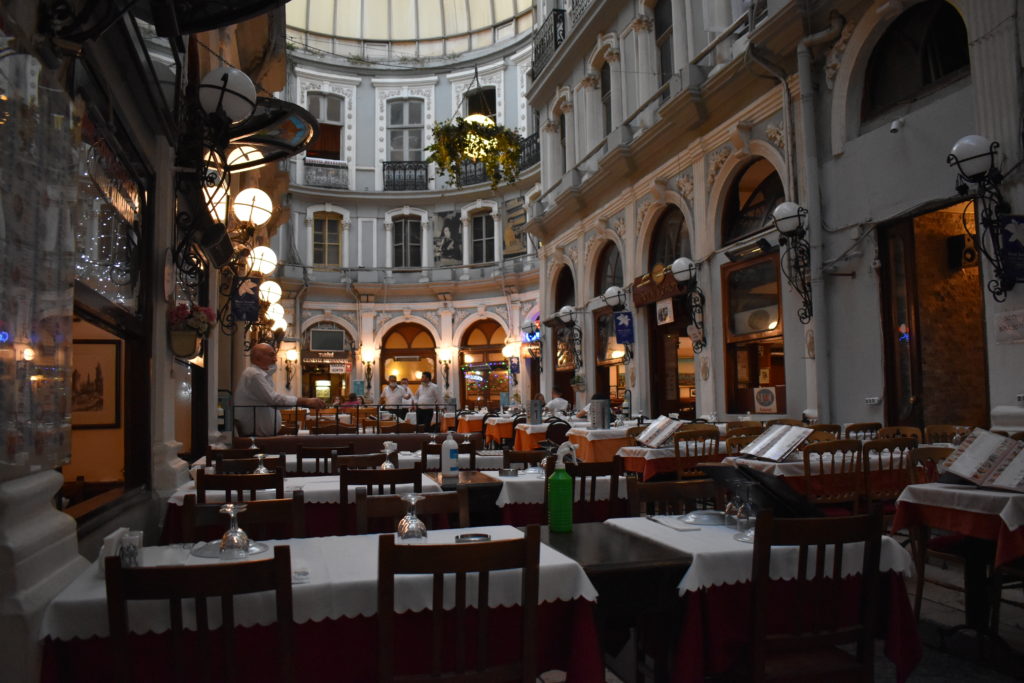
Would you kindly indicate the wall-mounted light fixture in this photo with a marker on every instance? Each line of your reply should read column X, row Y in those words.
column 684, row 270
column 533, row 336
column 567, row 314
column 445, row 356
column 978, row 177
column 615, row 297
column 368, row 355
column 790, row 220
column 291, row 358
column 510, row 350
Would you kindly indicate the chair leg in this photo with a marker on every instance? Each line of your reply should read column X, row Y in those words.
column 919, row 547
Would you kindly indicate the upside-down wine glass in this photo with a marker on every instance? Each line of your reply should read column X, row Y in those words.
column 410, row 527
column 465, row 437
column 234, row 543
column 260, row 467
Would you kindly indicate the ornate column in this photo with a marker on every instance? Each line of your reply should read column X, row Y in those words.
column 551, row 168
column 643, row 26
column 389, row 243
column 614, row 58
column 346, row 243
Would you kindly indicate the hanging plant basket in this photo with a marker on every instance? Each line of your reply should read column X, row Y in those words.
column 458, row 142
column 184, row 343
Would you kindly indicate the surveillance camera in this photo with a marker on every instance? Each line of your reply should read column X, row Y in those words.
column 896, row 126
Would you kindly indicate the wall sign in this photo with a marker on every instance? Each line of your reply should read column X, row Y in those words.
column 665, row 313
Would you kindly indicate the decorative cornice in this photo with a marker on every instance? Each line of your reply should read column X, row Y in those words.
column 715, row 163
column 775, row 136
column 684, row 184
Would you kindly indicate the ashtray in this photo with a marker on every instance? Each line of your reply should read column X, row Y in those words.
column 705, row 518
column 508, row 472
column 472, row 538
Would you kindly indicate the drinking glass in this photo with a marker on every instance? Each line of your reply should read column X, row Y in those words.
column 411, row 528
column 234, row 544
column 465, row 438
column 252, row 443
column 260, row 467
column 746, row 518
column 731, row 508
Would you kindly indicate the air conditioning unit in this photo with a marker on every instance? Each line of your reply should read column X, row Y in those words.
column 755, row 320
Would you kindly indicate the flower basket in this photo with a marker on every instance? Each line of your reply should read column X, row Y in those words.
column 187, row 326
column 184, row 343
column 462, row 140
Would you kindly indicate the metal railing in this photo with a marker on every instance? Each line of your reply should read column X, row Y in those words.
column 547, row 40
column 473, row 172
column 530, row 153
column 578, row 9
column 325, row 173
column 405, row 175
column 267, row 420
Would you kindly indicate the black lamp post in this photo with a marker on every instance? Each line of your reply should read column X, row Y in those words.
column 790, row 219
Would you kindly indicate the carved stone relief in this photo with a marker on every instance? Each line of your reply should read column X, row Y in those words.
column 834, row 56
column 684, row 184
column 716, row 161
column 775, row 136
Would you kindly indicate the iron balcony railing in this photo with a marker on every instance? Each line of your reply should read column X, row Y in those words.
column 530, row 153
column 547, row 40
column 473, row 172
column 578, row 9
column 324, row 173
column 405, row 175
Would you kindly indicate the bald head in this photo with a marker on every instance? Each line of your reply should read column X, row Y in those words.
column 262, row 356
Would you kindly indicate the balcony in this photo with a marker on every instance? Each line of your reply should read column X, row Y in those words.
column 473, row 172
column 547, row 40
column 405, row 176
column 578, row 9
column 530, row 153
column 325, row 173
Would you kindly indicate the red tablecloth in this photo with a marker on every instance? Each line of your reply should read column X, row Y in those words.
column 1009, row 544
column 711, row 642
column 648, row 468
column 340, row 649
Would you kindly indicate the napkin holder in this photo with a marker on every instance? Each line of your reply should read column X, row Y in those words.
column 111, row 546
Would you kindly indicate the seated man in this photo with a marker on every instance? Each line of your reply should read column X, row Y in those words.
column 557, row 405
column 255, row 397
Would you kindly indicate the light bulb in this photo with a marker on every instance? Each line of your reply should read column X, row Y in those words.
column 244, row 155
column 275, row 312
column 253, row 205
column 270, row 292
column 280, row 324
column 262, row 260
column 229, row 91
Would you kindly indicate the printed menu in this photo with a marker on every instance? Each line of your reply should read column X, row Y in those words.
column 658, row 432
column 988, row 459
column 776, row 442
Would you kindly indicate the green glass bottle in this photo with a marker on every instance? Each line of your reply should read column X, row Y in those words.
column 560, row 499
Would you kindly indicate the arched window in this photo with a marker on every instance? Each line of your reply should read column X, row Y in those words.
column 407, row 351
column 751, row 199
column 327, row 238
column 924, row 49
column 671, row 238
column 565, row 295
column 565, row 289
column 609, row 269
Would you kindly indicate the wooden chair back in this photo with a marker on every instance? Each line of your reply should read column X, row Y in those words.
column 926, row 463
column 834, row 473
column 1018, row 436
column 835, row 430
column 460, row 560
column 793, row 422
column 694, row 446
column 293, row 418
column 405, row 428
column 634, row 432
column 175, row 584
column 377, row 482
column 945, row 433
column 887, row 464
column 213, row 454
column 321, row 456
column 813, row 623
column 237, row 484
column 247, row 465
column 584, row 482
column 670, row 497
column 334, row 428
column 818, row 436
column 864, row 431
column 261, row 519
column 363, row 461
column 740, row 424
column 744, row 431
column 454, row 505
column 510, row 457
column 734, row 445
column 899, row 432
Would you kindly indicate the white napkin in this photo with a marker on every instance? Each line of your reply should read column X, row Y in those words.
column 111, row 543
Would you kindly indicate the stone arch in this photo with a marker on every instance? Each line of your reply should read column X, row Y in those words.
column 605, row 43
column 378, row 337
column 593, row 258
column 476, row 317
column 645, row 231
column 423, row 215
column 328, row 318
column 848, row 86
column 730, row 170
column 557, row 263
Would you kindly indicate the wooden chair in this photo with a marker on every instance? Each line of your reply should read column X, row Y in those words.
column 634, row 432
column 864, row 431
column 694, row 446
column 740, row 424
column 322, row 457
column 452, row 504
column 809, row 646
column 405, row 428
column 261, row 519
column 834, row 476
column 835, row 430
column 818, row 436
column 389, row 427
column 237, row 484
column 744, row 431
column 734, row 445
column 339, row 428
column 526, row 458
column 898, row 432
column 1019, row 436
column 428, row 449
column 247, row 465
column 887, row 464
column 293, row 418
column 584, row 481
column 460, row 560
column 192, row 652
column 556, row 432
column 785, row 421
column 670, row 497
column 363, row 461
column 213, row 454
column 946, row 433
column 377, row 482
column 926, row 463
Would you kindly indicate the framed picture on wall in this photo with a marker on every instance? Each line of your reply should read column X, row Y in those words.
column 96, row 384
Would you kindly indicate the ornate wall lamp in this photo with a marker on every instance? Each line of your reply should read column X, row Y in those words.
column 790, row 220
column 684, row 271
column 445, row 356
column 567, row 314
column 512, row 349
column 615, row 297
column 977, row 177
column 368, row 355
column 533, row 335
column 291, row 359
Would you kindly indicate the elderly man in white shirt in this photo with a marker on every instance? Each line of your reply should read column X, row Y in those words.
column 557, row 404
column 427, row 399
column 394, row 395
column 255, row 395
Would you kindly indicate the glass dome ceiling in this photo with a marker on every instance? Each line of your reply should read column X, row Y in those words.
column 405, row 29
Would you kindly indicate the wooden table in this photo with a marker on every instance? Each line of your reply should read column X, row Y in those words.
column 483, row 494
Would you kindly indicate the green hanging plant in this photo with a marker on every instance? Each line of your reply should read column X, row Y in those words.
column 461, row 141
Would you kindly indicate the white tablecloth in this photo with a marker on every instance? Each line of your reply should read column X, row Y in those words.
column 532, row 429
column 529, row 489
column 598, row 434
column 485, row 460
column 322, row 489
column 659, row 453
column 719, row 559
column 1007, row 505
column 342, row 582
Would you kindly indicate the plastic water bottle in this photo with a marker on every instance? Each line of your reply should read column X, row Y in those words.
column 560, row 499
column 450, row 457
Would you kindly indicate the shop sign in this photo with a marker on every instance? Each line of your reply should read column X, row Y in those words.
column 654, row 286
column 245, row 302
column 337, row 369
column 624, row 327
